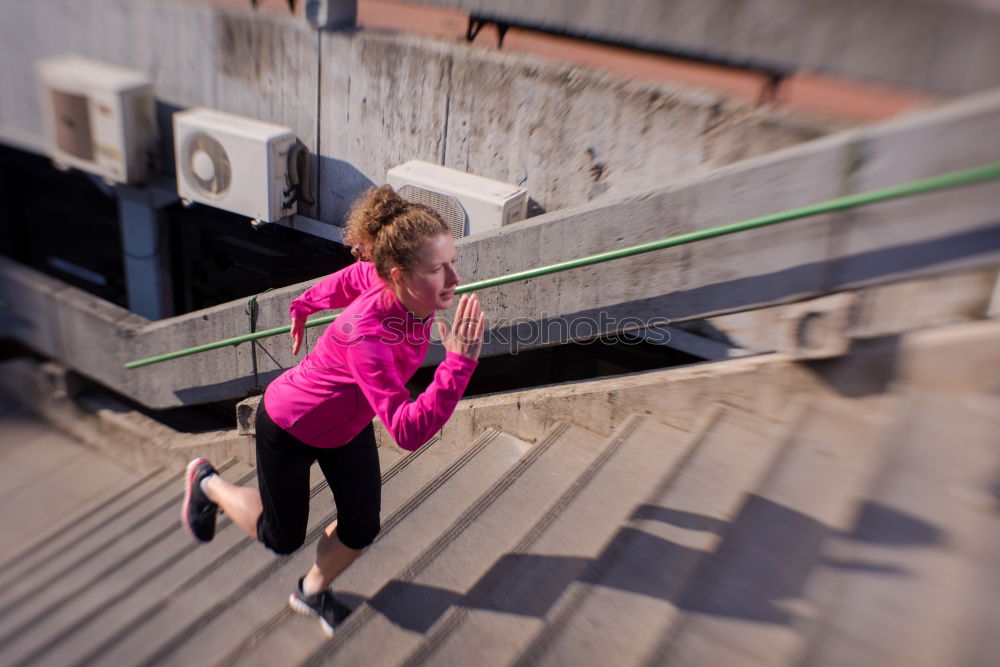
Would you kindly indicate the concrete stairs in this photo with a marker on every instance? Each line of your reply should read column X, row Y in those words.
column 34, row 459
column 931, row 522
column 817, row 536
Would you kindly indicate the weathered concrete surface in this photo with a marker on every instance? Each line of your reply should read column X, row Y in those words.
column 799, row 259
column 817, row 329
column 45, row 477
column 803, row 259
column 960, row 359
column 107, row 425
column 948, row 47
column 884, row 310
column 260, row 65
column 364, row 102
column 385, row 102
column 954, row 360
column 932, row 514
column 777, row 510
column 568, row 134
column 609, row 136
column 965, row 356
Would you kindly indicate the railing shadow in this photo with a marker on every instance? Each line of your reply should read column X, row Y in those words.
column 767, row 554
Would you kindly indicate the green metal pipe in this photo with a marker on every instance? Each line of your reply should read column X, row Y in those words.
column 950, row 180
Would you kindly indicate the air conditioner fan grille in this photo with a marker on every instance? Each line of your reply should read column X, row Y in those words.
column 446, row 206
column 221, row 172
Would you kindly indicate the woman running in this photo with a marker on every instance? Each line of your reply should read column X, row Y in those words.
column 322, row 409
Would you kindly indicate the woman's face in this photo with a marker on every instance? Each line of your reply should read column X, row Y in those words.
column 430, row 285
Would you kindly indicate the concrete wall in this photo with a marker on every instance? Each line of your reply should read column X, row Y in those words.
column 263, row 66
column 567, row 134
column 947, row 232
column 947, row 46
column 364, row 102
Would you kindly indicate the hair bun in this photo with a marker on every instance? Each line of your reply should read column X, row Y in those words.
column 384, row 206
column 388, row 231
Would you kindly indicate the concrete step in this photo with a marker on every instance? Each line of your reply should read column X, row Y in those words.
column 52, row 571
column 184, row 565
column 194, row 586
column 753, row 604
column 220, row 614
column 20, row 451
column 510, row 605
column 915, row 578
column 47, row 476
column 629, row 599
column 54, row 612
column 92, row 550
column 386, row 628
column 416, row 507
column 65, row 535
column 131, row 513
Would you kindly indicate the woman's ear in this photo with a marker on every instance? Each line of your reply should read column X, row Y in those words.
column 396, row 274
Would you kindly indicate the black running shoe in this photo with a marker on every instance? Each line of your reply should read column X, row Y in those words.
column 331, row 613
column 198, row 512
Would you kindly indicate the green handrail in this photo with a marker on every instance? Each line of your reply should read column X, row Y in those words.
column 950, row 180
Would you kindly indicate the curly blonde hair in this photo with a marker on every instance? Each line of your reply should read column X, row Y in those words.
column 387, row 230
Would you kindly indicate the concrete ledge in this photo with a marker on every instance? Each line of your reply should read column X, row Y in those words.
column 949, row 46
column 758, row 384
column 883, row 310
column 110, row 426
column 421, row 20
column 841, row 98
column 817, row 329
column 958, row 360
column 879, row 244
column 806, row 90
column 741, row 84
column 953, row 360
column 961, row 359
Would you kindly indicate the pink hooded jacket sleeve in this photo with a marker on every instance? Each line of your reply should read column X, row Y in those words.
column 337, row 290
column 411, row 423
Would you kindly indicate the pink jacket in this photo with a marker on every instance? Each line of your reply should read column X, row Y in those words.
column 360, row 365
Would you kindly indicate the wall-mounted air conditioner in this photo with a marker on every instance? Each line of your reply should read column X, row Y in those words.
column 237, row 164
column 98, row 117
column 469, row 204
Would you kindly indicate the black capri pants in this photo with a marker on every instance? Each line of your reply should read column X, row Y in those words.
column 283, row 463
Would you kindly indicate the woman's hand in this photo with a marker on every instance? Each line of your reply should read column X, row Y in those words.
column 466, row 337
column 298, row 334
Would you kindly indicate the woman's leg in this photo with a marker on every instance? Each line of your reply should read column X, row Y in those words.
column 283, row 464
column 356, row 482
column 332, row 558
column 241, row 504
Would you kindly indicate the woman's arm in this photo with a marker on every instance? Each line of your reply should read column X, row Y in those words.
column 412, row 423
column 337, row 290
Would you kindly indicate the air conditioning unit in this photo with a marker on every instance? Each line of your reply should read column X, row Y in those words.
column 236, row 164
column 469, row 204
column 98, row 117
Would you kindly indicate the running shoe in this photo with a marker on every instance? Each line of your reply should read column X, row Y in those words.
column 323, row 605
column 198, row 513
